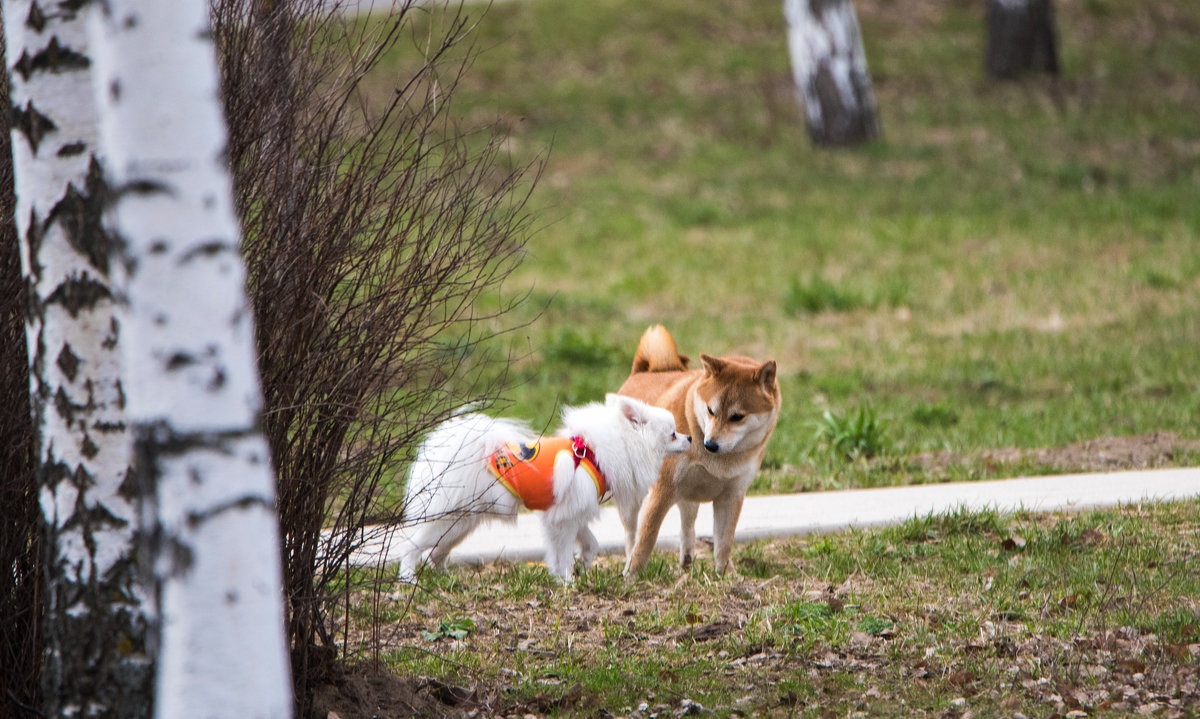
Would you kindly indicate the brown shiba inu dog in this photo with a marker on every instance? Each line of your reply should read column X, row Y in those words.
column 730, row 408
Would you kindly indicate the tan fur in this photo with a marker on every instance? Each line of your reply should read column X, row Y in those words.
column 733, row 385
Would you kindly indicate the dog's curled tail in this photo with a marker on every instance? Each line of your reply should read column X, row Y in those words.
column 656, row 352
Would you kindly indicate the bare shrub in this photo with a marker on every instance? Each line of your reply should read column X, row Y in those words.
column 20, row 517
column 370, row 232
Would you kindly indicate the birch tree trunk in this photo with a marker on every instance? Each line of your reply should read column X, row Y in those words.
column 1020, row 38
column 193, row 394
column 830, row 70
column 96, row 621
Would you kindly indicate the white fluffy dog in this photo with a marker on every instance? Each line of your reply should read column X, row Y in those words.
column 466, row 473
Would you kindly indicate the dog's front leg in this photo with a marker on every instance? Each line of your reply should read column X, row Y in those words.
column 687, row 531
column 662, row 496
column 726, row 510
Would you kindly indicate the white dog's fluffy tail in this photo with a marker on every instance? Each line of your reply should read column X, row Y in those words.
column 450, row 490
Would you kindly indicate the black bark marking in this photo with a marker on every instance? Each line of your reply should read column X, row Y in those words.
column 114, row 334
column 82, row 479
column 93, row 518
column 196, row 519
column 54, row 58
column 129, row 488
column 159, row 247
column 160, row 441
column 88, row 448
column 145, row 187
column 80, row 214
column 68, row 362
column 114, row 90
column 51, row 473
column 109, row 427
column 179, row 360
column 36, row 19
column 78, row 293
column 178, row 555
column 33, row 124
column 120, row 395
column 71, row 149
column 33, row 306
column 65, row 408
column 210, row 248
column 33, row 237
column 218, row 381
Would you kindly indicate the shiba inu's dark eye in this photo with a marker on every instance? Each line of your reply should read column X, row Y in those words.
column 711, row 413
column 735, row 417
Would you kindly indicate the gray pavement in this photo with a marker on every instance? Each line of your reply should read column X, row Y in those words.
column 816, row 512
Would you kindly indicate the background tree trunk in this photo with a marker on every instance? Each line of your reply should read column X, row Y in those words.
column 193, row 395
column 96, row 659
column 1020, row 38
column 830, row 69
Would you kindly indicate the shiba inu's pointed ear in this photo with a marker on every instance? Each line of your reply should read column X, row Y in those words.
column 765, row 375
column 712, row 365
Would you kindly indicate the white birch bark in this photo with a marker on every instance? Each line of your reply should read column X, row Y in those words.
column 829, row 66
column 97, row 660
column 193, row 395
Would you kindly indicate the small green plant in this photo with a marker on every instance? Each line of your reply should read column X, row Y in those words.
column 603, row 581
column 523, row 579
column 875, row 626
column 451, row 629
column 851, row 436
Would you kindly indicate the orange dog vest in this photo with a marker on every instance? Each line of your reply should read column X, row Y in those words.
column 527, row 470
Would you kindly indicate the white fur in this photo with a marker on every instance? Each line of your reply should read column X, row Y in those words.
column 451, row 491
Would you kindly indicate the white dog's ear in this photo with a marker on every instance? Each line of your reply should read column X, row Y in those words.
column 631, row 409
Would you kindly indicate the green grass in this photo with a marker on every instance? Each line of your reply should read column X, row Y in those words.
column 1013, row 265
column 1004, row 612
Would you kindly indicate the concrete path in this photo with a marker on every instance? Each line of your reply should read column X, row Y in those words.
column 796, row 514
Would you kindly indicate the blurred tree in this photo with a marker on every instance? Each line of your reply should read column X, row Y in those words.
column 1020, row 38
column 203, row 470
column 830, row 70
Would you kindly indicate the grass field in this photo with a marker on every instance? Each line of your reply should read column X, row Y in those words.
column 1006, row 283
column 1012, row 266
column 971, row 614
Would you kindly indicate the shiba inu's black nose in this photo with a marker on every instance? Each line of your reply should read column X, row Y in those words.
column 710, row 445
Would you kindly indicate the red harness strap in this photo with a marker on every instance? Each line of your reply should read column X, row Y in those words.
column 527, row 470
